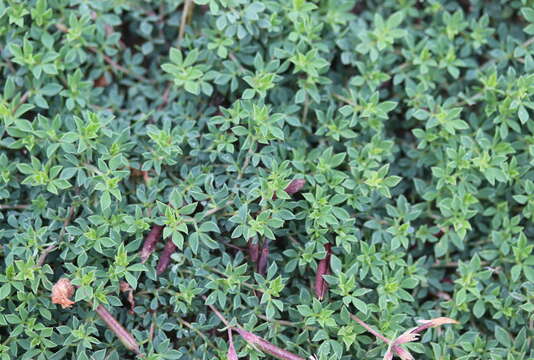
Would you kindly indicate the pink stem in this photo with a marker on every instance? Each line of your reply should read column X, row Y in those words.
column 370, row 329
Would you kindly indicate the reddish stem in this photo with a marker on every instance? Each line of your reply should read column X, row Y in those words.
column 370, row 329
column 266, row 346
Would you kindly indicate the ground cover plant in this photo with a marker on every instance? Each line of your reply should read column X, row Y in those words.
column 242, row 179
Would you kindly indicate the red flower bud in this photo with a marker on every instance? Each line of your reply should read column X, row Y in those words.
column 295, row 186
column 323, row 268
column 253, row 251
column 263, row 260
column 150, row 242
column 165, row 258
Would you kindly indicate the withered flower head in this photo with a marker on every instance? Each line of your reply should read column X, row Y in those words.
column 432, row 323
column 232, row 355
column 61, row 293
column 403, row 353
column 438, row 321
column 407, row 336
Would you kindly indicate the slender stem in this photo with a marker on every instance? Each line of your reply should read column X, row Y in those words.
column 217, row 312
column 14, row 207
column 114, row 65
column 52, row 247
column 250, row 286
column 245, row 164
column 44, row 254
column 214, row 210
column 305, row 110
column 453, row 264
column 200, row 333
column 22, row 100
column 236, row 61
column 344, row 99
column 188, row 8
column 93, row 169
column 286, row 323
column 370, row 329
column 528, row 42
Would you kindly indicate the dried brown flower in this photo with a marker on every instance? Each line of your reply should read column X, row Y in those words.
column 434, row 323
column 126, row 289
column 61, row 293
column 413, row 335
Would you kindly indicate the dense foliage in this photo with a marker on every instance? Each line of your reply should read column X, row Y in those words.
column 408, row 120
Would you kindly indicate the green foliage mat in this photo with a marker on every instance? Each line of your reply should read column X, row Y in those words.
column 406, row 123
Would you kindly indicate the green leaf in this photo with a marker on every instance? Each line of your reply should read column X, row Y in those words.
column 502, row 336
column 5, row 290
column 209, row 226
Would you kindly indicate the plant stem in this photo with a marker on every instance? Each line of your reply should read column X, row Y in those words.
column 217, row 312
column 370, row 329
column 200, row 333
column 14, row 207
column 124, row 336
column 186, row 14
column 52, row 247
